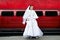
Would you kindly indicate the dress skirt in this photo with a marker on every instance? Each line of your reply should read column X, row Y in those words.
column 32, row 29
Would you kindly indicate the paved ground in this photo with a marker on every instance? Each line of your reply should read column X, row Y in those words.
column 21, row 38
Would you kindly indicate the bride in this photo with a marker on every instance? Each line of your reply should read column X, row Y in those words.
column 31, row 29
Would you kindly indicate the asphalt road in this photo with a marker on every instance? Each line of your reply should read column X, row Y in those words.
column 21, row 38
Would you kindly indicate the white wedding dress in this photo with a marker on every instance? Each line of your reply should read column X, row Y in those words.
column 31, row 28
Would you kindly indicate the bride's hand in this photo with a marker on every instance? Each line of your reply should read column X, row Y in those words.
column 23, row 22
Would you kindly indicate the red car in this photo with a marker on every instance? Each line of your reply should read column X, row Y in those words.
column 11, row 13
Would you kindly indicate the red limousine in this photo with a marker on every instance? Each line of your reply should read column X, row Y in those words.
column 11, row 13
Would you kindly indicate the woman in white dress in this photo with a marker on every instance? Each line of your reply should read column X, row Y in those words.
column 31, row 29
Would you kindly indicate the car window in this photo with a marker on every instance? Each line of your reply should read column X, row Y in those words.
column 20, row 13
column 39, row 13
column 51, row 13
column 7, row 13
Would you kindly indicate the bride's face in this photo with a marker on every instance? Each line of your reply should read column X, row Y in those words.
column 31, row 7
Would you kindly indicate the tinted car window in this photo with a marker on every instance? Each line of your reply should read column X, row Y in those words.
column 7, row 13
column 39, row 13
column 51, row 13
column 20, row 13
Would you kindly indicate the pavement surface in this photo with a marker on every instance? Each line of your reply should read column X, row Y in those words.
column 21, row 38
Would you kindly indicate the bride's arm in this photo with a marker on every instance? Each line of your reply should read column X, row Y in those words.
column 24, row 21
